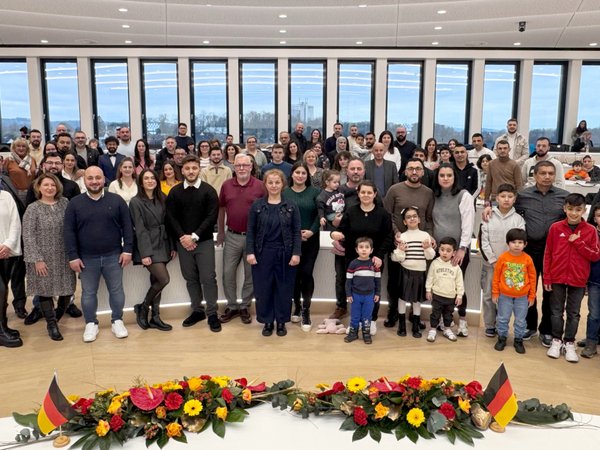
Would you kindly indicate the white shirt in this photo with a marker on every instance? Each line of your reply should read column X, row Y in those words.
column 125, row 192
column 474, row 155
column 127, row 149
column 196, row 184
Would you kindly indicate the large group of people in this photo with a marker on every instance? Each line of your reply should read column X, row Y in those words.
column 69, row 208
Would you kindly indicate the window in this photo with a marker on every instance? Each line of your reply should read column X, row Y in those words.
column 160, row 108
column 499, row 99
column 307, row 95
column 355, row 95
column 404, row 98
column 547, row 100
column 111, row 97
column 61, row 96
column 589, row 102
column 209, row 100
column 258, row 99
column 451, row 101
column 14, row 99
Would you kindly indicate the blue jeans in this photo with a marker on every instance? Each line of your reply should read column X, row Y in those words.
column 361, row 309
column 506, row 307
column 593, row 318
column 109, row 268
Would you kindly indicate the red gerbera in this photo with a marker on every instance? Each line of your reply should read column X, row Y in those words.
column 173, row 401
column 360, row 416
column 116, row 423
column 414, row 382
column 227, row 395
column 447, row 410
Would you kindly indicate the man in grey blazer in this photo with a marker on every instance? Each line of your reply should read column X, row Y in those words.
column 380, row 171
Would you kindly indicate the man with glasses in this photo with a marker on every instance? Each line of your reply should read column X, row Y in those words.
column 402, row 195
column 235, row 199
column 85, row 153
column 253, row 150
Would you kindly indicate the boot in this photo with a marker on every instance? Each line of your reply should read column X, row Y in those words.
column 352, row 335
column 519, row 347
column 306, row 322
column 392, row 318
column 366, row 332
column 141, row 315
column 501, row 343
column 8, row 336
column 296, row 315
column 401, row 325
column 47, row 307
column 416, row 329
column 61, row 307
column 155, row 320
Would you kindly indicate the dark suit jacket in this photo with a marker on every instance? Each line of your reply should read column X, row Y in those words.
column 390, row 174
column 110, row 171
column 151, row 238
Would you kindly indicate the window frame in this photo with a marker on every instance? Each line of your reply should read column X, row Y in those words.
column 17, row 61
column 469, row 94
column 45, row 103
column 307, row 61
column 94, row 93
column 421, row 63
column 515, row 96
column 373, row 64
column 562, row 92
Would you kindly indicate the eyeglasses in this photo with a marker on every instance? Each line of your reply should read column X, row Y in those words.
column 242, row 166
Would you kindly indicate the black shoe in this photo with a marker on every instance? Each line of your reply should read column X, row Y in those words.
column 267, row 329
column 74, row 311
column 352, row 335
column 141, row 315
column 401, row 325
column 582, row 343
column 34, row 316
column 519, row 347
column 416, row 328
column 194, row 318
column 529, row 334
column 245, row 316
column 214, row 323
column 281, row 331
column 366, row 331
column 20, row 311
column 391, row 320
column 157, row 323
column 228, row 315
column 54, row 332
column 6, row 340
column 501, row 343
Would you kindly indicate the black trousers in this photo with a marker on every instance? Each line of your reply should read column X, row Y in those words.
column 535, row 249
column 441, row 307
column 6, row 266
column 565, row 299
column 17, row 281
column 305, row 283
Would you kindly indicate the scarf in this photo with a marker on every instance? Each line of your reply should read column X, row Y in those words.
column 24, row 163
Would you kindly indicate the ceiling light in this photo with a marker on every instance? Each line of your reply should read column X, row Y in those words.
column 282, row 16
column 206, row 42
column 435, row 43
column 442, row 11
column 362, row 6
column 44, row 41
column 125, row 26
column 516, row 44
column 358, row 42
column 123, row 10
column 283, row 42
column 283, row 31
column 593, row 44
column 128, row 42
column 437, row 28
column 208, row 4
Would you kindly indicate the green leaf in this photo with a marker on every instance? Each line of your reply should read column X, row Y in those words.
column 451, row 435
column 79, row 442
column 436, row 422
column 104, row 443
column 181, row 438
column 236, row 415
column 218, row 427
column 424, row 433
column 400, row 434
column 349, row 424
column 162, row 440
column 412, row 434
column 283, row 401
column 437, row 401
column 26, row 420
column 375, row 433
column 337, row 400
column 464, row 436
column 359, row 433
column 91, row 442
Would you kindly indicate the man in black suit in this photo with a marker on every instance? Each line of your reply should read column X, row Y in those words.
column 380, row 171
column 85, row 154
column 110, row 160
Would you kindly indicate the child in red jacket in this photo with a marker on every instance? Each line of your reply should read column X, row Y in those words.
column 571, row 246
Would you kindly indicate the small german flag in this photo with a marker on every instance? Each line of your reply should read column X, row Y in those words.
column 55, row 410
column 499, row 397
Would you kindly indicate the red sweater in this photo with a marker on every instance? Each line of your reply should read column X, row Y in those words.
column 569, row 262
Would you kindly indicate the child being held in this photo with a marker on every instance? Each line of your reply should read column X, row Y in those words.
column 363, row 285
column 513, row 289
column 412, row 252
column 577, row 172
column 444, row 288
column 330, row 202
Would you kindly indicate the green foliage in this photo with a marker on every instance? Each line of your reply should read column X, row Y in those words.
column 360, row 433
column 535, row 413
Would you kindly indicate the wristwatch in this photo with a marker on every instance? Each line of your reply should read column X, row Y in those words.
column 466, row 249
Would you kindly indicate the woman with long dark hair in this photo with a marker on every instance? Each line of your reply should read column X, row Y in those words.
column 391, row 152
column 154, row 249
column 169, row 176
column 141, row 159
column 292, row 153
column 431, row 155
column 315, row 138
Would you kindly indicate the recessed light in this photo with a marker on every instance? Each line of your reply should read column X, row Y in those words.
column 435, row 43
column 123, row 10
column 206, row 42
column 282, row 16
column 362, row 6
column 283, row 31
column 44, row 41
column 442, row 11
column 128, row 42
column 516, row 44
column 358, row 42
column 437, row 28
column 593, row 44
column 125, row 26
column 283, row 42
column 208, row 4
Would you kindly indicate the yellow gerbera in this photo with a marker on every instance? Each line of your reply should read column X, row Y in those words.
column 171, row 386
column 103, row 428
column 221, row 412
column 114, row 406
column 465, row 405
column 439, row 380
column 425, row 385
column 106, row 392
column 195, row 384
column 404, row 378
column 221, row 381
column 192, row 407
column 381, row 411
column 356, row 384
column 174, row 429
column 415, row 417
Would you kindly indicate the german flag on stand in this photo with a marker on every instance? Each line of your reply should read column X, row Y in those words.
column 499, row 398
column 55, row 410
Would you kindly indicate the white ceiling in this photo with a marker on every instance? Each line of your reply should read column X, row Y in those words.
column 551, row 24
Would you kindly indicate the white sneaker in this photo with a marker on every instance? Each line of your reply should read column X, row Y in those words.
column 463, row 330
column 431, row 335
column 119, row 330
column 450, row 335
column 570, row 353
column 373, row 328
column 295, row 319
column 91, row 332
column 555, row 349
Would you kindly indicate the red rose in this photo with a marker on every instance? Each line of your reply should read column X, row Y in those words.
column 183, row 384
column 414, row 382
column 227, row 395
column 83, row 404
column 116, row 423
column 473, row 389
column 173, row 401
column 360, row 416
column 447, row 410
column 338, row 386
column 205, row 377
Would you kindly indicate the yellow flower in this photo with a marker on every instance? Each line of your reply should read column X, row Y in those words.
column 114, row 406
column 103, row 428
column 425, row 385
column 106, row 392
column 221, row 381
column 297, row 406
column 415, row 417
column 381, row 411
column 322, row 386
column 125, row 394
column 161, row 412
column 192, row 407
column 403, row 379
column 465, row 405
column 247, row 395
column 171, row 386
column 73, row 398
column 221, row 412
column 439, row 380
column 356, row 384
column 195, row 384
column 174, row 430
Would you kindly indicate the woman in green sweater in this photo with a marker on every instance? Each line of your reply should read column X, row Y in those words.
column 305, row 197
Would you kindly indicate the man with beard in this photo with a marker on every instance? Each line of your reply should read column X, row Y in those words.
column 109, row 162
column 519, row 147
column 99, row 242
column 166, row 153
column 216, row 173
column 298, row 137
column 182, row 139
column 35, row 146
column 330, row 143
column 126, row 145
column 542, row 153
column 404, row 146
column 85, row 153
column 466, row 172
column 380, row 171
column 402, row 195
